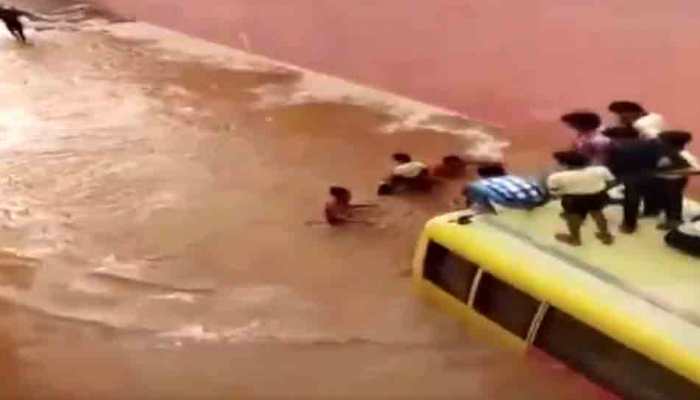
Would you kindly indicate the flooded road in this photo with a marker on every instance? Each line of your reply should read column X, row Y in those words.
column 517, row 64
column 153, row 200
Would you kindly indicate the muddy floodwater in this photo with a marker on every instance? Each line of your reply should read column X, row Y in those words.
column 153, row 245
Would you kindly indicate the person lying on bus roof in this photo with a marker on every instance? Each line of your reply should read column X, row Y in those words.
column 339, row 210
column 671, row 187
column 634, row 163
column 633, row 115
column 686, row 237
column 584, row 191
column 496, row 187
column 589, row 139
column 407, row 175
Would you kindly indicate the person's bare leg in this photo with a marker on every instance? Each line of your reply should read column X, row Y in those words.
column 603, row 233
column 573, row 223
column 20, row 34
column 13, row 33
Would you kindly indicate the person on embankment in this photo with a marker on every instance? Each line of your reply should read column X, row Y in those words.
column 10, row 16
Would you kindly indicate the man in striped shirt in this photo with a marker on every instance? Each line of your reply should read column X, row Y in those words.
column 495, row 187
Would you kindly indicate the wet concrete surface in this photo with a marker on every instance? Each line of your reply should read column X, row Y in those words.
column 154, row 195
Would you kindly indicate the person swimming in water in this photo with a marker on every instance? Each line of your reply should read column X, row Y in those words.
column 339, row 210
column 10, row 16
column 407, row 175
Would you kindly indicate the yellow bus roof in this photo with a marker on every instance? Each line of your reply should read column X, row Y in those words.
column 638, row 290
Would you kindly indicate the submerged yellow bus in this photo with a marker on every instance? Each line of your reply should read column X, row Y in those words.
column 626, row 316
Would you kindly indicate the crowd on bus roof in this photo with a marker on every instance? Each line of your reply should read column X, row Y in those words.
column 639, row 152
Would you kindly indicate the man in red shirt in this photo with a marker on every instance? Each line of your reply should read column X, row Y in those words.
column 451, row 167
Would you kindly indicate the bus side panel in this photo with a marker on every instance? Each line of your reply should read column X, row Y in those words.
column 418, row 257
column 475, row 324
column 511, row 266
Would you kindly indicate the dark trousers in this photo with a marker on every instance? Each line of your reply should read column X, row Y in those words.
column 16, row 29
column 631, row 203
column 688, row 243
column 672, row 191
column 637, row 188
column 652, row 195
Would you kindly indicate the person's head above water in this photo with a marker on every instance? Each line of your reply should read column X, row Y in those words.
column 401, row 157
column 340, row 193
column 571, row 159
column 676, row 139
column 627, row 111
column 582, row 121
column 621, row 133
column 491, row 171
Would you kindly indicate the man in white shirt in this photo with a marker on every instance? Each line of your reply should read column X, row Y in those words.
column 407, row 175
column 583, row 190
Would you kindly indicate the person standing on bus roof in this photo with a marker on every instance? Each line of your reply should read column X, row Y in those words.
column 672, row 187
column 634, row 163
column 589, row 140
column 649, row 125
column 583, row 190
column 633, row 115
column 495, row 186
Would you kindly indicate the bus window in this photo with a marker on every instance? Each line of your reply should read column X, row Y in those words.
column 609, row 363
column 448, row 271
column 505, row 305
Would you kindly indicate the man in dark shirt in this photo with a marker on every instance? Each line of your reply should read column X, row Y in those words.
column 634, row 162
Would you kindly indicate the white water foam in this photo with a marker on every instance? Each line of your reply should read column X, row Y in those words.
column 177, row 296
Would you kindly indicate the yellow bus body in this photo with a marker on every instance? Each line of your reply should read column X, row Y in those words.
column 638, row 291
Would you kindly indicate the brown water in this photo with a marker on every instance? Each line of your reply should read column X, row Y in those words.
column 153, row 236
